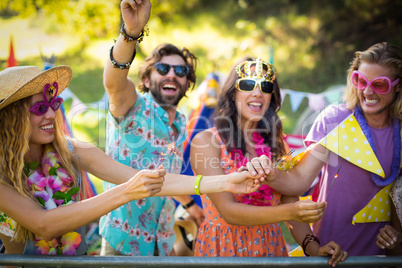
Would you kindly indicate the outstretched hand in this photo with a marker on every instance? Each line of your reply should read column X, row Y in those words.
column 145, row 183
column 136, row 14
column 242, row 182
column 334, row 250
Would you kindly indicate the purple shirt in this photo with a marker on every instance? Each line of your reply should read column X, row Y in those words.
column 352, row 190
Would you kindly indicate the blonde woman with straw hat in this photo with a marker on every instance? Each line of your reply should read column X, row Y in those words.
column 39, row 170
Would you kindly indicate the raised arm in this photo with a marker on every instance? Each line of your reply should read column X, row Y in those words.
column 120, row 89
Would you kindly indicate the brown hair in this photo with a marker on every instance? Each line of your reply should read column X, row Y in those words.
column 226, row 118
column 166, row 50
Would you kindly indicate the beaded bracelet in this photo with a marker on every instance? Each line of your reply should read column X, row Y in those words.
column 129, row 38
column 197, row 185
column 309, row 238
column 123, row 65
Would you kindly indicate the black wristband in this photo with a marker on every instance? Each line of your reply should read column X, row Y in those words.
column 189, row 204
column 121, row 66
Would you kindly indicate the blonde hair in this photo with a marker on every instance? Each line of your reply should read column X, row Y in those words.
column 383, row 54
column 15, row 135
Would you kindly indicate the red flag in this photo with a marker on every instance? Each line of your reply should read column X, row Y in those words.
column 11, row 61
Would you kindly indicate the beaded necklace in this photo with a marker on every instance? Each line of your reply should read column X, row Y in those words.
column 397, row 148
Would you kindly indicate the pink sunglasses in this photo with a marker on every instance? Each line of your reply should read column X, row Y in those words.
column 41, row 108
column 381, row 84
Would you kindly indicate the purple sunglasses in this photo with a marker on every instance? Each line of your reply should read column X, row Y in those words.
column 381, row 84
column 41, row 108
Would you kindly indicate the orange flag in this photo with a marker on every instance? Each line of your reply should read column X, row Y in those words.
column 11, row 61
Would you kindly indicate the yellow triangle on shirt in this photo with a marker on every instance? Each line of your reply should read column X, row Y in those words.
column 349, row 142
column 378, row 209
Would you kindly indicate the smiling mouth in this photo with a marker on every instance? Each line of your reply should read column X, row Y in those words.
column 255, row 106
column 370, row 101
column 169, row 87
column 48, row 127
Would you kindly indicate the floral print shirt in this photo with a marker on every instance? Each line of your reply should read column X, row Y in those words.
column 143, row 139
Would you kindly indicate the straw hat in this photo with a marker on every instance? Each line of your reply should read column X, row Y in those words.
column 186, row 233
column 186, row 230
column 23, row 81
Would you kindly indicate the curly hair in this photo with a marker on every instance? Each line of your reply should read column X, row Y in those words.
column 166, row 50
column 15, row 135
column 383, row 54
column 226, row 118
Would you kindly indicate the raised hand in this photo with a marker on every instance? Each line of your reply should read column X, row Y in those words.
column 136, row 14
column 145, row 183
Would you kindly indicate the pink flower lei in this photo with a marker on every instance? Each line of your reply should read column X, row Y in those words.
column 264, row 192
column 53, row 186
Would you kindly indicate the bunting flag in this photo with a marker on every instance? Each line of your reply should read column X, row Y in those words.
column 11, row 61
column 349, row 142
column 315, row 101
column 296, row 98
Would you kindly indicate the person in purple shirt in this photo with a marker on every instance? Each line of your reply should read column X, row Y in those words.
column 357, row 148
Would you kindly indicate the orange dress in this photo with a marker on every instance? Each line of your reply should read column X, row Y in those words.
column 216, row 238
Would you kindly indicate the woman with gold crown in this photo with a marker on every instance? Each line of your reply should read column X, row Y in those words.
column 247, row 126
column 40, row 210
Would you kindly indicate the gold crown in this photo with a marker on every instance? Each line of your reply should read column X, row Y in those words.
column 269, row 76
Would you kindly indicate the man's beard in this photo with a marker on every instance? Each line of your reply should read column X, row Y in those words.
column 163, row 100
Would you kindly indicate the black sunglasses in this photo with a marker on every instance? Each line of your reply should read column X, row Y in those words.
column 164, row 68
column 248, row 85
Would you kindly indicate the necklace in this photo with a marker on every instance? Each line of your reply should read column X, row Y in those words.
column 53, row 187
column 397, row 148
